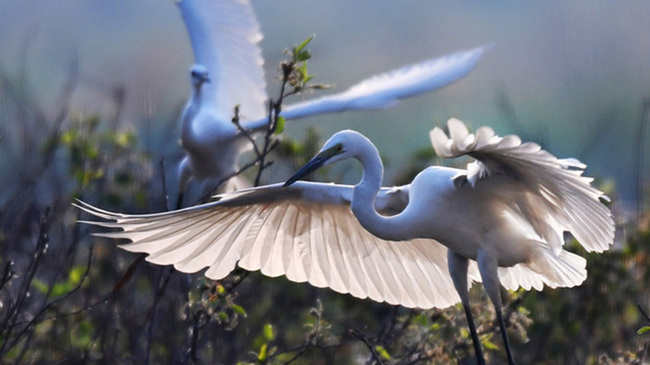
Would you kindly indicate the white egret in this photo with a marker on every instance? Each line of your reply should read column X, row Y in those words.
column 224, row 37
column 507, row 211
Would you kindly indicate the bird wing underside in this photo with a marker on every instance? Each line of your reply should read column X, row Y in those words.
column 225, row 37
column 384, row 90
column 549, row 193
column 295, row 231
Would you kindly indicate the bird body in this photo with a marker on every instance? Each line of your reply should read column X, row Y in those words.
column 212, row 149
column 492, row 216
column 467, row 219
column 507, row 211
column 224, row 35
column 504, row 216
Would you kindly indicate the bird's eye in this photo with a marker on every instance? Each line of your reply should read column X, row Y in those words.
column 194, row 74
column 339, row 148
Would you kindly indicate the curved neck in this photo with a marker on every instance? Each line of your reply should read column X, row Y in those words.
column 192, row 107
column 365, row 193
column 197, row 92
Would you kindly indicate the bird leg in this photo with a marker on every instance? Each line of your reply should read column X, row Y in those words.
column 488, row 267
column 504, row 334
column 458, row 270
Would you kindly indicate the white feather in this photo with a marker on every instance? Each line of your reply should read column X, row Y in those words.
column 225, row 37
column 386, row 89
column 306, row 232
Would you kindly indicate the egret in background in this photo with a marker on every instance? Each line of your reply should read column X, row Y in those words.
column 228, row 72
column 408, row 245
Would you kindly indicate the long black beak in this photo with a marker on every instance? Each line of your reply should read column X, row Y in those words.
column 310, row 166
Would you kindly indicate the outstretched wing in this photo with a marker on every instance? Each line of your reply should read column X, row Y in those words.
column 386, row 89
column 550, row 193
column 306, row 232
column 224, row 36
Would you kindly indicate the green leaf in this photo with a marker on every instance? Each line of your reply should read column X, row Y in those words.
column 124, row 139
column 75, row 275
column 220, row 289
column 421, row 319
column 302, row 45
column 280, row 126
column 223, row 316
column 262, row 354
column 40, row 286
column 303, row 56
column 643, row 330
column 60, row 289
column 82, row 335
column 303, row 71
column 68, row 137
column 239, row 310
column 382, row 352
column 269, row 332
column 488, row 344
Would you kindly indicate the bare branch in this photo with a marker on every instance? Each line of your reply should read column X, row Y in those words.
column 245, row 132
column 366, row 341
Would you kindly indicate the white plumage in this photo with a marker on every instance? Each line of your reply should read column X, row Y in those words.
column 224, row 36
column 505, row 215
column 305, row 231
column 549, row 193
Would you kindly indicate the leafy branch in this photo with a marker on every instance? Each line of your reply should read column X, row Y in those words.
column 294, row 75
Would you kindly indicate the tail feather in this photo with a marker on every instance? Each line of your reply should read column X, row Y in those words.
column 565, row 269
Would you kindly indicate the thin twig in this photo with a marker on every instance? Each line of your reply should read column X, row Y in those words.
column 9, row 322
column 7, row 274
column 298, row 354
column 113, row 293
column 366, row 341
column 245, row 132
column 239, row 172
column 197, row 325
column 52, row 303
column 643, row 312
column 164, row 183
column 301, row 349
column 274, row 114
column 164, row 278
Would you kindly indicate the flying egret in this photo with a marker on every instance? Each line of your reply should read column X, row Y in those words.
column 228, row 72
column 408, row 245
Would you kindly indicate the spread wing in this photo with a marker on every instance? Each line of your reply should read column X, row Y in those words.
column 549, row 193
column 384, row 90
column 306, row 232
column 224, row 37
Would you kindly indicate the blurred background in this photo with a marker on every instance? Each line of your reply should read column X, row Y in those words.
column 90, row 93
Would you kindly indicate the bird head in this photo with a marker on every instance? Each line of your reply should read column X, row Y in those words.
column 199, row 74
column 340, row 146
